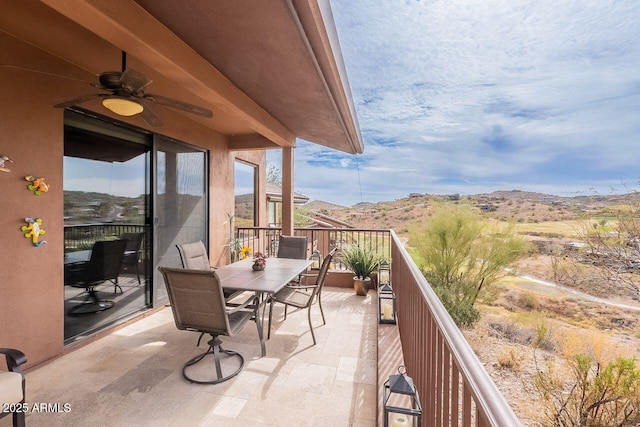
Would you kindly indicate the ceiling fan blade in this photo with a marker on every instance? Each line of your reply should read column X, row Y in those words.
column 148, row 115
column 77, row 100
column 179, row 105
column 133, row 81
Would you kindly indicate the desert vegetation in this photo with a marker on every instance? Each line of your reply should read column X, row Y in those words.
column 461, row 257
column 558, row 334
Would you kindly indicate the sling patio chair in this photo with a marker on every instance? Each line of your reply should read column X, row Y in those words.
column 198, row 305
column 302, row 296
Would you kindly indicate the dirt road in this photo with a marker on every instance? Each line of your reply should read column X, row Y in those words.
column 531, row 284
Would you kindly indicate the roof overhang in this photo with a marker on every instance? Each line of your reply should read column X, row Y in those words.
column 274, row 194
column 271, row 71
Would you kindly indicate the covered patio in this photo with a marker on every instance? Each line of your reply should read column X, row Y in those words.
column 132, row 377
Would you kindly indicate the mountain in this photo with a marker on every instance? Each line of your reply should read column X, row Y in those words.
column 319, row 205
column 505, row 205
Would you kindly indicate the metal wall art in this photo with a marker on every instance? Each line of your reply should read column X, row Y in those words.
column 33, row 230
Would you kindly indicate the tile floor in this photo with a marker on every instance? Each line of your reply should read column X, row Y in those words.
column 133, row 376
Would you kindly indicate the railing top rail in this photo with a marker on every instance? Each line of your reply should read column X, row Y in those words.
column 104, row 224
column 484, row 391
column 346, row 230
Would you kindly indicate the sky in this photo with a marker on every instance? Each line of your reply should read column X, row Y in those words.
column 473, row 96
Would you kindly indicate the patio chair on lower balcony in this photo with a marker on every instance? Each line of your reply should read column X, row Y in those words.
column 198, row 305
column 104, row 265
column 132, row 251
column 12, row 386
column 303, row 296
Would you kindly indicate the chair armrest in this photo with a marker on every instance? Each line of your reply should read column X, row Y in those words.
column 244, row 305
column 309, row 274
column 15, row 358
column 303, row 278
column 302, row 286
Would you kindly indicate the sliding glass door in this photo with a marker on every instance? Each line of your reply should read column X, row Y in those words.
column 124, row 183
column 106, row 199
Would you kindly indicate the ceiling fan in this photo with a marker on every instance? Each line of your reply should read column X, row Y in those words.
column 126, row 96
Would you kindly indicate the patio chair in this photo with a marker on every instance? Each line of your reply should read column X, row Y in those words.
column 292, row 247
column 104, row 265
column 12, row 385
column 298, row 296
column 198, row 305
column 194, row 257
column 132, row 251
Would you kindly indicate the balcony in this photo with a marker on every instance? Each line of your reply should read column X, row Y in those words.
column 133, row 375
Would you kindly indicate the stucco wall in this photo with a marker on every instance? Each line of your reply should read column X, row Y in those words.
column 31, row 134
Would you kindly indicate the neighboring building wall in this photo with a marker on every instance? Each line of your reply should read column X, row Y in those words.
column 31, row 134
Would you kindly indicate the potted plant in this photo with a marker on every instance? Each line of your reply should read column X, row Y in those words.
column 363, row 263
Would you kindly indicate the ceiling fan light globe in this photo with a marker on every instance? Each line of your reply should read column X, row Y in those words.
column 122, row 106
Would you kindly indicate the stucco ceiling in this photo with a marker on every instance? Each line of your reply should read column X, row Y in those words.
column 266, row 68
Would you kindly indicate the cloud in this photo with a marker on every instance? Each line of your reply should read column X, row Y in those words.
column 466, row 97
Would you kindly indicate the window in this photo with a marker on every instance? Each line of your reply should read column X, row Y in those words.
column 245, row 194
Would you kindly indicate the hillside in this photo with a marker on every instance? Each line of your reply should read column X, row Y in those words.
column 546, row 291
column 516, row 206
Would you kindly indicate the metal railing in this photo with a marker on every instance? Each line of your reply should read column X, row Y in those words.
column 265, row 240
column 453, row 385
column 82, row 237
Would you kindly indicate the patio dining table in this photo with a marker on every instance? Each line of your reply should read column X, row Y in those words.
column 277, row 274
column 239, row 276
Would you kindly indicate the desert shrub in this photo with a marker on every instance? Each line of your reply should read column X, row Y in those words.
column 595, row 394
column 512, row 332
column 461, row 257
column 601, row 389
column 509, row 358
column 528, row 301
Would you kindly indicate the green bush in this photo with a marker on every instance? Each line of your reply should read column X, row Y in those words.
column 461, row 256
column 594, row 395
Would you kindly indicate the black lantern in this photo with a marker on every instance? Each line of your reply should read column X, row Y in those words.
column 316, row 259
column 401, row 401
column 384, row 273
column 386, row 304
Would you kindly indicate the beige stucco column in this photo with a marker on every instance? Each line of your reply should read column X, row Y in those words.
column 287, row 191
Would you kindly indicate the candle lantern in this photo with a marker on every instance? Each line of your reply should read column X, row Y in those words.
column 386, row 304
column 384, row 273
column 401, row 401
column 316, row 259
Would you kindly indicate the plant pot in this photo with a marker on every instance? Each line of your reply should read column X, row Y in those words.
column 361, row 286
column 258, row 267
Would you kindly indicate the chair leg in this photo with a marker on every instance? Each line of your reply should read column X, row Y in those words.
column 215, row 350
column 285, row 312
column 138, row 272
column 116, row 285
column 18, row 419
column 216, row 357
column 324, row 322
column 311, row 325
